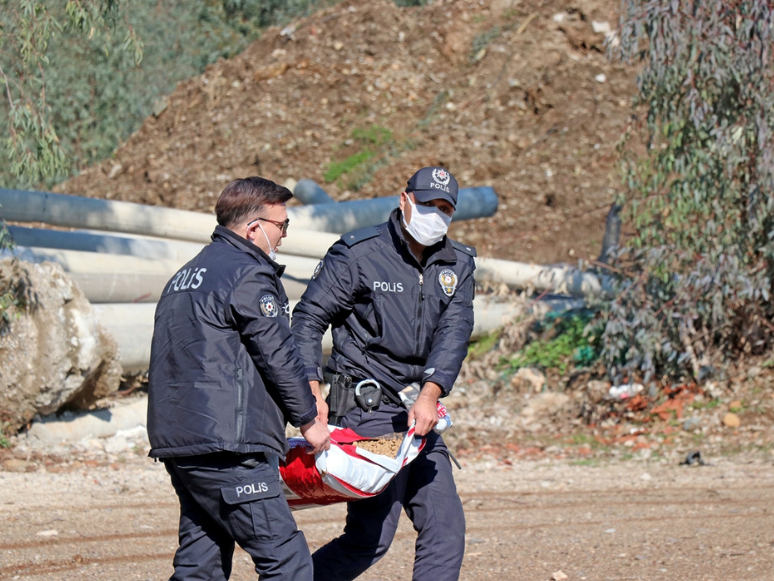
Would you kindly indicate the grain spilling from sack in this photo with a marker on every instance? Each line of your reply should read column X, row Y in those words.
column 386, row 446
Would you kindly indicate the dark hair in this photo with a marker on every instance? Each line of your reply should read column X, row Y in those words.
column 244, row 198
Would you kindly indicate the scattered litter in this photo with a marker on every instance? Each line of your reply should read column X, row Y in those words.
column 625, row 391
column 49, row 533
column 694, row 458
column 559, row 576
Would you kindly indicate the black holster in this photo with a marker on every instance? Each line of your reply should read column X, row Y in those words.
column 341, row 397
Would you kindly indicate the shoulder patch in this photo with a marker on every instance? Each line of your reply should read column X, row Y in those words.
column 269, row 306
column 470, row 250
column 356, row 236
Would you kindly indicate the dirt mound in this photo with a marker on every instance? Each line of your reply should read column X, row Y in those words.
column 513, row 94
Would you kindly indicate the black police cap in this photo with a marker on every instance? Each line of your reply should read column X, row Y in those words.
column 432, row 183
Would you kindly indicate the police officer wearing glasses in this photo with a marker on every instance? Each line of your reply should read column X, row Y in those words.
column 225, row 377
column 399, row 298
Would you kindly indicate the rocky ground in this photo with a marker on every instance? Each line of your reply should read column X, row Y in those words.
column 676, row 489
column 113, row 516
column 516, row 94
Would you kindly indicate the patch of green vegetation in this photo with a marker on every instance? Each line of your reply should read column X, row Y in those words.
column 374, row 141
column 337, row 169
column 737, row 408
column 705, row 405
column 375, row 134
column 590, row 462
column 378, row 146
column 4, row 442
column 484, row 344
column 14, row 291
column 569, row 339
column 585, row 440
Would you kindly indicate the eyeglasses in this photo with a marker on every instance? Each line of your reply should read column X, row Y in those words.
column 283, row 226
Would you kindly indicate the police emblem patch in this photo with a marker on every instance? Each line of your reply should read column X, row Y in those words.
column 317, row 269
column 269, row 306
column 448, row 282
column 441, row 176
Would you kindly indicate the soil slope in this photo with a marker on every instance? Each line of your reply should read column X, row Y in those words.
column 514, row 94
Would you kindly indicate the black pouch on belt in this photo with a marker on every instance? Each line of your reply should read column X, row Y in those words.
column 341, row 398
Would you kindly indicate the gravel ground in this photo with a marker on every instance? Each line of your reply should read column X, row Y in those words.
column 530, row 520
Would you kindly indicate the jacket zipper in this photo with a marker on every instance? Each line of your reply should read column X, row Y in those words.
column 240, row 419
column 420, row 309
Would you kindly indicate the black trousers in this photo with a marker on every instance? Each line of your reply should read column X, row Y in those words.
column 226, row 499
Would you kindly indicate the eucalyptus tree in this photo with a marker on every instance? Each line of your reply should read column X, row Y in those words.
column 695, row 273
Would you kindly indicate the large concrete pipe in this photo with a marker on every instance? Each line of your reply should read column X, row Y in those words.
column 519, row 275
column 309, row 192
column 79, row 212
column 131, row 325
column 557, row 279
column 298, row 267
column 141, row 247
column 109, row 278
column 346, row 216
column 111, row 216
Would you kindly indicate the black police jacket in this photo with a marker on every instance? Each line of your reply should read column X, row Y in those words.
column 225, row 373
column 392, row 319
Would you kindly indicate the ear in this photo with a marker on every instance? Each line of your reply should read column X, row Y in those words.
column 403, row 201
column 250, row 231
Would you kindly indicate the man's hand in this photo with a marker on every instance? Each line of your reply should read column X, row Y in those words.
column 317, row 434
column 424, row 410
column 322, row 407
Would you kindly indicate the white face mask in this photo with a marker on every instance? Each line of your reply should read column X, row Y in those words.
column 272, row 252
column 428, row 224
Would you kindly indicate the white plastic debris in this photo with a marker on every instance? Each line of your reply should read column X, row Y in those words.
column 625, row 391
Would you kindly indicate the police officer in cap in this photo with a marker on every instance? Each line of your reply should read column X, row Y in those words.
column 399, row 298
column 225, row 376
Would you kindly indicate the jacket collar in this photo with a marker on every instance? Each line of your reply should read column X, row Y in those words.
column 226, row 235
column 441, row 251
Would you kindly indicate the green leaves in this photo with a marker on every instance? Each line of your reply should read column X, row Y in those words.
column 700, row 202
column 563, row 340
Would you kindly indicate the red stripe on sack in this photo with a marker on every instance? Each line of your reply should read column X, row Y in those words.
column 345, row 436
column 300, row 475
column 355, row 491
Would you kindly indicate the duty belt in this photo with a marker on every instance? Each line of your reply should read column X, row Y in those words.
column 347, row 392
